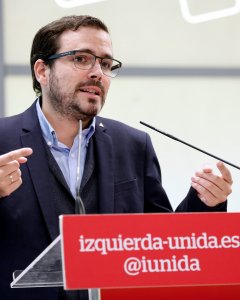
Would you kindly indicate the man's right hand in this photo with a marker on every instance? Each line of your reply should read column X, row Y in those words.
column 10, row 173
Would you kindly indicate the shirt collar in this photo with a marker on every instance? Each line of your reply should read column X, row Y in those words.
column 49, row 133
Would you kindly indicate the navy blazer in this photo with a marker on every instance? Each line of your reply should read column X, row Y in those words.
column 129, row 180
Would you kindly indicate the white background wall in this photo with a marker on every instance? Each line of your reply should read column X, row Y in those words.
column 200, row 110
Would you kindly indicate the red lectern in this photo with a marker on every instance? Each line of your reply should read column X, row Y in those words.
column 144, row 256
column 168, row 254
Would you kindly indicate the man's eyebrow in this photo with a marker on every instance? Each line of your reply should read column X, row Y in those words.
column 92, row 52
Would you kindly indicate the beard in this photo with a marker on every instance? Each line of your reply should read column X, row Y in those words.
column 69, row 105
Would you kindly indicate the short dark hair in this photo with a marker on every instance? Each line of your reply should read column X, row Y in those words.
column 46, row 40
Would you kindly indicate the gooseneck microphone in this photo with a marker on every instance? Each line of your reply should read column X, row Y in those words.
column 189, row 145
column 79, row 206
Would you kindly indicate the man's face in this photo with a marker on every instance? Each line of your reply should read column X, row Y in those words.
column 72, row 92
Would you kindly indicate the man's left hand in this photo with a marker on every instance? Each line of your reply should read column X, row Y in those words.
column 213, row 189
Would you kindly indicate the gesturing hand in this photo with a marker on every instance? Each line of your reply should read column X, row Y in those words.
column 213, row 189
column 10, row 173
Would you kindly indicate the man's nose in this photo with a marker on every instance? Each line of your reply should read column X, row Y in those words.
column 96, row 70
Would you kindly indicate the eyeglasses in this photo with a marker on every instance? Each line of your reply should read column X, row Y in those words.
column 85, row 61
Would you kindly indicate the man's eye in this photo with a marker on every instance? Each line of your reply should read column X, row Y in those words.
column 81, row 59
column 107, row 64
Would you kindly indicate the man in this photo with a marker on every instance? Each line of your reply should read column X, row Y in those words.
column 72, row 65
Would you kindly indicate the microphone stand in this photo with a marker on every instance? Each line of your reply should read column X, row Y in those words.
column 189, row 145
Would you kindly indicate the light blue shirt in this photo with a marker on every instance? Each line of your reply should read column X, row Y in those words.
column 64, row 156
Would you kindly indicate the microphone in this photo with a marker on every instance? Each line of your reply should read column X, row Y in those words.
column 189, row 145
column 79, row 206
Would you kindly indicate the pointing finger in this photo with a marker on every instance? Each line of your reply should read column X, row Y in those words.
column 15, row 155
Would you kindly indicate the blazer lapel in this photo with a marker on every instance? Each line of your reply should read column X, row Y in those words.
column 39, row 169
column 89, row 165
column 105, row 167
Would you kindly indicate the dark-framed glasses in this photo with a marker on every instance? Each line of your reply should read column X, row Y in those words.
column 85, row 61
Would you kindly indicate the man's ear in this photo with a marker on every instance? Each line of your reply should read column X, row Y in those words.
column 41, row 71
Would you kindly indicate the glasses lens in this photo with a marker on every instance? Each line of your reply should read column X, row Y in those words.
column 110, row 67
column 115, row 68
column 85, row 61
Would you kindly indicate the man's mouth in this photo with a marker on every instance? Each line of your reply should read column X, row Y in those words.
column 94, row 91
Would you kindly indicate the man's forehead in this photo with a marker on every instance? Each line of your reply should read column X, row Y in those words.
column 85, row 37
column 85, row 32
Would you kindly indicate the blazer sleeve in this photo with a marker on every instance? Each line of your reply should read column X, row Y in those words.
column 192, row 203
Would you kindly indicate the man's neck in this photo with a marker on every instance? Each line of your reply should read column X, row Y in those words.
column 65, row 129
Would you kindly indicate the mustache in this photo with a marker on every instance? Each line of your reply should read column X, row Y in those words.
column 92, row 83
